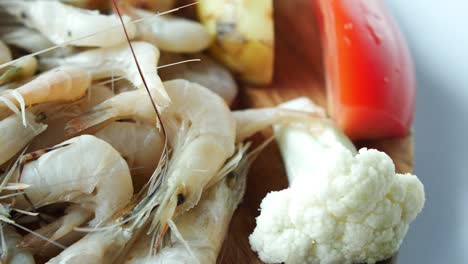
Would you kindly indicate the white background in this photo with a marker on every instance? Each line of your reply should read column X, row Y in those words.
column 437, row 32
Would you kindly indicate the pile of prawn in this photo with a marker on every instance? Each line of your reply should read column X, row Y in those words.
column 117, row 143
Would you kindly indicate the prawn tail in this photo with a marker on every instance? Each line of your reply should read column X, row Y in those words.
column 57, row 230
column 92, row 119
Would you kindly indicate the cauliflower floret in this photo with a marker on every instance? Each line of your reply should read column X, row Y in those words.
column 354, row 209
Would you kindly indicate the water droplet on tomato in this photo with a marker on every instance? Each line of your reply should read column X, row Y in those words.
column 371, row 23
column 347, row 40
column 348, row 26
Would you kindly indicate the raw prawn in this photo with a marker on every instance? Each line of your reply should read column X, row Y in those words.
column 170, row 33
column 202, row 136
column 110, row 244
column 64, row 24
column 5, row 54
column 207, row 73
column 58, row 85
column 85, row 171
column 205, row 138
column 118, row 62
column 14, row 136
column 141, row 145
column 199, row 233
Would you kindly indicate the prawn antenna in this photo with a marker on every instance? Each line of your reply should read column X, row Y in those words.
column 158, row 116
column 116, row 6
column 113, row 79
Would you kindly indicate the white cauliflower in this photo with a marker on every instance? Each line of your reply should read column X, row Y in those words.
column 349, row 208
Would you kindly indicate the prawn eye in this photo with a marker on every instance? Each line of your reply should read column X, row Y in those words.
column 41, row 117
column 180, row 199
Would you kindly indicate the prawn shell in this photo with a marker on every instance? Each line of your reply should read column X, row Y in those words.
column 62, row 23
column 14, row 136
column 86, row 170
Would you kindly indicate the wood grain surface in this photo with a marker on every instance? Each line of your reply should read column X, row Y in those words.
column 298, row 72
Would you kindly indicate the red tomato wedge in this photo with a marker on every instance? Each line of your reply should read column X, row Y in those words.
column 369, row 71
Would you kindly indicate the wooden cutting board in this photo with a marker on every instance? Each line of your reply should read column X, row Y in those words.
column 298, row 72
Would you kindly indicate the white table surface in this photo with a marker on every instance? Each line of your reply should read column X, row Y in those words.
column 437, row 32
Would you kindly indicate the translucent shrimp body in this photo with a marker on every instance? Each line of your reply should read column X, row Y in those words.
column 101, row 247
column 207, row 73
column 58, row 85
column 202, row 135
column 205, row 139
column 170, row 33
column 14, row 136
column 141, row 145
column 118, row 62
column 86, row 171
column 62, row 23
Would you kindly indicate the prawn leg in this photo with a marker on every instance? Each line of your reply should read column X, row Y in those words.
column 57, row 231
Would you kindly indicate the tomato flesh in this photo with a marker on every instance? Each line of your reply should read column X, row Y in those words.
column 369, row 71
